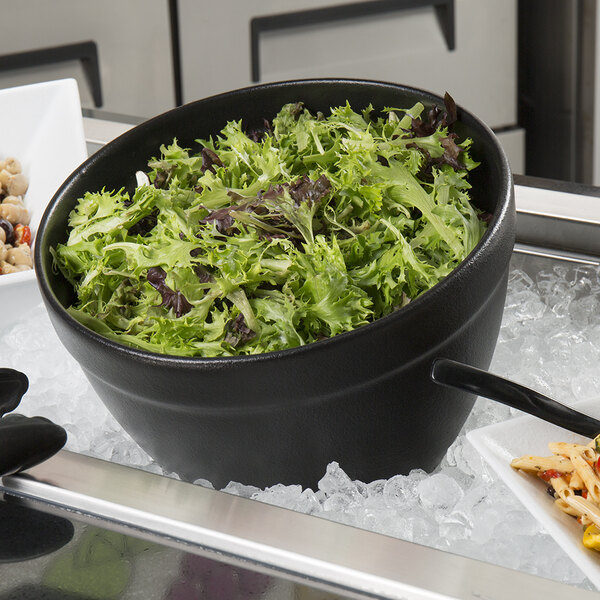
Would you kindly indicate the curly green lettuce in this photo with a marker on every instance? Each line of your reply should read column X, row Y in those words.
column 274, row 238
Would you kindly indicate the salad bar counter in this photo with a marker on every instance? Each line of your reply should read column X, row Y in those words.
column 101, row 519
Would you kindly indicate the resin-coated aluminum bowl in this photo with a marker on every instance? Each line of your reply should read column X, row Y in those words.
column 362, row 398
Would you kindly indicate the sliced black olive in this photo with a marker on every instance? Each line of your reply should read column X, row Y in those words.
column 8, row 230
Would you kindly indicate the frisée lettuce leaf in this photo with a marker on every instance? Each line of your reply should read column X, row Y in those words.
column 272, row 238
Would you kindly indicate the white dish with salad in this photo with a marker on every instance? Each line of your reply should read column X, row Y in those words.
column 501, row 443
column 42, row 129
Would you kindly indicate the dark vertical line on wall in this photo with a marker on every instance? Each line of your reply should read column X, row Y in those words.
column 176, row 51
column 583, row 167
column 556, row 87
column 574, row 88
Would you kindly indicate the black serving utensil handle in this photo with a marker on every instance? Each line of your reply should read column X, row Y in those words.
column 24, row 441
column 470, row 379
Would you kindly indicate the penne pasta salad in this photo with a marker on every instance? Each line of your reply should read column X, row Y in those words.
column 573, row 476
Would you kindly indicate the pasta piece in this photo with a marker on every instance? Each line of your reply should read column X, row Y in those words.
column 543, row 463
column 566, row 449
column 576, row 482
column 566, row 508
column 561, row 487
column 588, row 475
column 585, row 507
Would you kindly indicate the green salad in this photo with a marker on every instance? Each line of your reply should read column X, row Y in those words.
column 261, row 240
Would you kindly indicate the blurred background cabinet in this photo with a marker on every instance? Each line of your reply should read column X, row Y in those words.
column 465, row 47
column 133, row 41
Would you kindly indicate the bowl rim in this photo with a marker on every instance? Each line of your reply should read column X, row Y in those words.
column 506, row 206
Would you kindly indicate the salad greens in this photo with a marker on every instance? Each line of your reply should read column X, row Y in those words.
column 262, row 240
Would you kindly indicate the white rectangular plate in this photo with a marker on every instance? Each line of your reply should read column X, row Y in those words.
column 501, row 442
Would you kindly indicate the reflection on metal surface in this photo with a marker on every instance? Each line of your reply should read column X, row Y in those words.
column 56, row 554
column 298, row 545
column 53, row 556
column 26, row 533
column 558, row 221
column 559, row 255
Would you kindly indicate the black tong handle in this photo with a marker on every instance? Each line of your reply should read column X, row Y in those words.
column 464, row 377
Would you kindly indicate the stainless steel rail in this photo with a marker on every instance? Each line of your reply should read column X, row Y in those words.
column 558, row 220
column 301, row 546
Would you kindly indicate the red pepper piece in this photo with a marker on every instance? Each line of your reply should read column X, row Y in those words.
column 549, row 474
column 22, row 234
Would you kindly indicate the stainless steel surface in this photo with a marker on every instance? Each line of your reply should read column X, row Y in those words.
column 100, row 132
column 558, row 221
column 300, row 545
column 561, row 255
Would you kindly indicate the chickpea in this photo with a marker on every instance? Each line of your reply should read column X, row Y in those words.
column 12, row 165
column 16, row 200
column 4, row 177
column 17, row 184
column 14, row 214
column 2, row 236
column 21, row 255
column 3, row 250
column 6, row 267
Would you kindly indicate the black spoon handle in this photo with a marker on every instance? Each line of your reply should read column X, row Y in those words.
column 464, row 377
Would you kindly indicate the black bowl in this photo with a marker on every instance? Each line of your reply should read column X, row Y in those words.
column 362, row 398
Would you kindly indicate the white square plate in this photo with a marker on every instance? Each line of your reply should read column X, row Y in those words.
column 41, row 126
column 501, row 442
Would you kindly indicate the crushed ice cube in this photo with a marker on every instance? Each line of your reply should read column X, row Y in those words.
column 290, row 496
column 439, row 492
